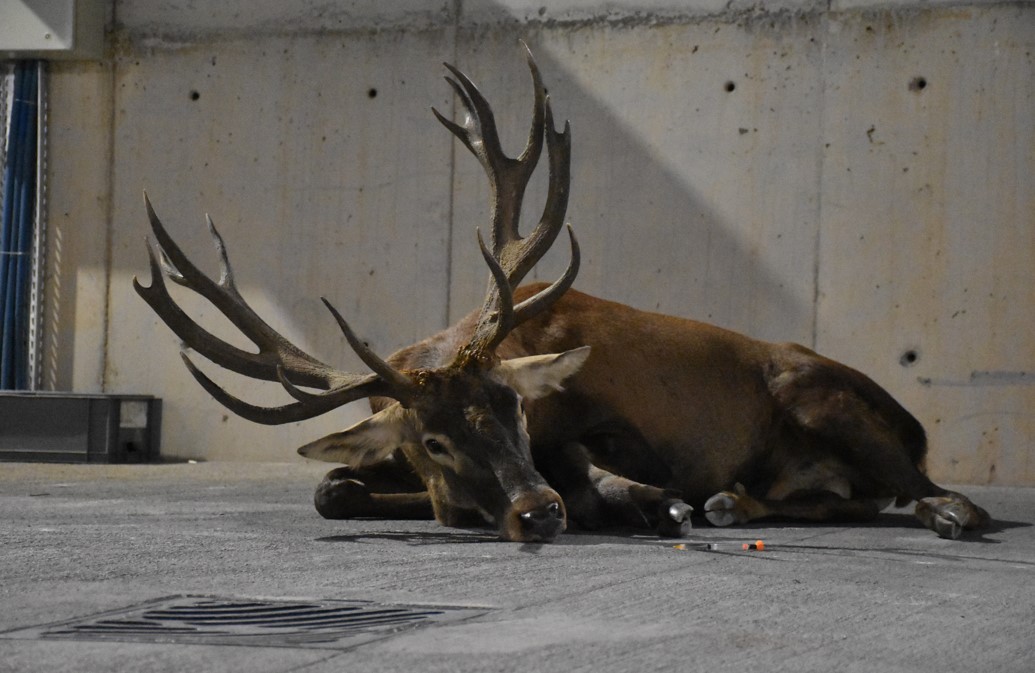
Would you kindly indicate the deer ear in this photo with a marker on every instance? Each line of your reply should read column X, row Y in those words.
column 538, row 375
column 365, row 443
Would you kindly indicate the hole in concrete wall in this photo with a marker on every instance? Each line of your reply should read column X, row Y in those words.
column 195, row 95
column 918, row 84
column 371, row 92
column 909, row 358
column 730, row 86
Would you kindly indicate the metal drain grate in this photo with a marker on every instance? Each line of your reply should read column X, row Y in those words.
column 204, row 620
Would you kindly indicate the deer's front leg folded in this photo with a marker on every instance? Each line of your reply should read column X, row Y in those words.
column 345, row 493
column 598, row 499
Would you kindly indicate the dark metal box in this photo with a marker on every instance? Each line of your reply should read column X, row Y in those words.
column 79, row 428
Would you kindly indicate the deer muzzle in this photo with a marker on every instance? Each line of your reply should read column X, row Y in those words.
column 535, row 516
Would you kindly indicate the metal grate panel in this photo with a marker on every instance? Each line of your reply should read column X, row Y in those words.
column 204, row 620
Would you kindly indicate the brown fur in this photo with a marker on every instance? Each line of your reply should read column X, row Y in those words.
column 744, row 428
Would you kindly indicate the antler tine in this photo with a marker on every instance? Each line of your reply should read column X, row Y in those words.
column 543, row 299
column 308, row 405
column 502, row 321
column 277, row 359
column 391, row 376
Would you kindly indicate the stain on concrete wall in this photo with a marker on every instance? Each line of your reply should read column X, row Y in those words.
column 850, row 176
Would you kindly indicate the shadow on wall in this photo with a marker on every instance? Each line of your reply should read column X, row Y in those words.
column 691, row 192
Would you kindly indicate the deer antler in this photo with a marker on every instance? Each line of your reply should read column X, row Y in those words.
column 509, row 261
column 277, row 359
column 512, row 256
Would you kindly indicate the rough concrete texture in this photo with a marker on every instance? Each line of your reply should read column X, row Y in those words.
column 185, row 21
column 891, row 596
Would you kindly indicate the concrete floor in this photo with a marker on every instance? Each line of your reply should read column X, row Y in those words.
column 78, row 540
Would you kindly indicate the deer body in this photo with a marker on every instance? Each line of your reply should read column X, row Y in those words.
column 548, row 405
column 701, row 410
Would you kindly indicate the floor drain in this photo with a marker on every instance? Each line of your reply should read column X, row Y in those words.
column 206, row 620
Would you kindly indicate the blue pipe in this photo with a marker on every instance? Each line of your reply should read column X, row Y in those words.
column 14, row 284
column 17, row 225
column 7, row 237
column 27, row 220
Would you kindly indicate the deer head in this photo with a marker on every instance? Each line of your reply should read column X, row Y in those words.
column 461, row 425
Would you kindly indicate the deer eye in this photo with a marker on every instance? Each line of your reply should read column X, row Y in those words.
column 435, row 447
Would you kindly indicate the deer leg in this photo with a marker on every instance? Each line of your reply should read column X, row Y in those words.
column 596, row 498
column 882, row 444
column 735, row 507
column 345, row 493
column 879, row 457
column 948, row 514
column 641, row 504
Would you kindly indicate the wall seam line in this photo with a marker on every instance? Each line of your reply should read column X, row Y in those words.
column 820, row 172
column 109, row 230
column 450, row 216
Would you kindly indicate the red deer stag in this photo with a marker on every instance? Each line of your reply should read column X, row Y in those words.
column 473, row 426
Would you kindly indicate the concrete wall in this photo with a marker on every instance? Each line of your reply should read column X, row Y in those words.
column 855, row 176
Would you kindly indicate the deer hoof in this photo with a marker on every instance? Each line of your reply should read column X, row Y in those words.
column 948, row 516
column 674, row 519
column 339, row 497
column 721, row 509
column 950, row 530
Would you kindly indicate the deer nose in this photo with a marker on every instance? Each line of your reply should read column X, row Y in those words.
column 537, row 516
column 542, row 523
